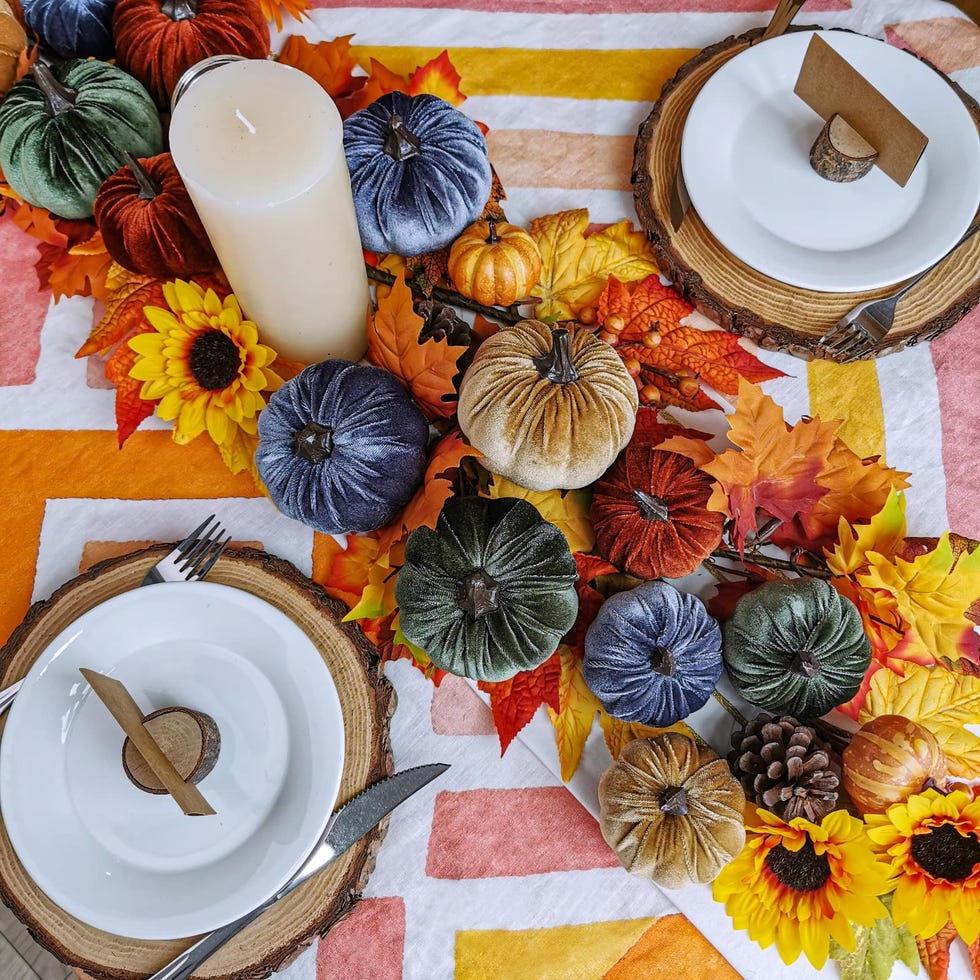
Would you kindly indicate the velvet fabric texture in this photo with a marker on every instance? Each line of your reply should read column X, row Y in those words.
column 72, row 28
column 13, row 40
column 160, row 236
column 491, row 591
column 675, row 838
column 423, row 201
column 541, row 433
column 157, row 49
column 652, row 655
column 650, row 514
column 342, row 446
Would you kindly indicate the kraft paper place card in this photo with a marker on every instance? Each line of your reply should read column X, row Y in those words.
column 828, row 84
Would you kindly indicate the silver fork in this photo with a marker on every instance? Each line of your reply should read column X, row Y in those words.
column 191, row 560
column 856, row 333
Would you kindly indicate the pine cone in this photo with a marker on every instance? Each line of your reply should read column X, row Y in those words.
column 785, row 767
column 441, row 322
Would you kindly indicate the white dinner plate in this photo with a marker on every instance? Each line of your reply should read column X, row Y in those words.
column 130, row 862
column 745, row 159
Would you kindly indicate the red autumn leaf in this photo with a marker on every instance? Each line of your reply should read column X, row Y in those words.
column 713, row 356
column 513, row 702
column 382, row 632
column 131, row 410
column 589, row 567
column 437, row 77
column 330, row 63
column 934, row 952
column 380, row 81
column 722, row 604
column 650, row 431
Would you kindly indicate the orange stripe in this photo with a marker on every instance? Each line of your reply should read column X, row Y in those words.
column 576, row 160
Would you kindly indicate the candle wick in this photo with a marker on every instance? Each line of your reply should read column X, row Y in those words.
column 241, row 118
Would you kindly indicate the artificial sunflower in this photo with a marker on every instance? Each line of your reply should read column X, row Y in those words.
column 931, row 842
column 204, row 364
column 272, row 10
column 800, row 883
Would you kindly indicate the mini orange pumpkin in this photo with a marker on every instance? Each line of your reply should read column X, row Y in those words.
column 494, row 263
column 13, row 40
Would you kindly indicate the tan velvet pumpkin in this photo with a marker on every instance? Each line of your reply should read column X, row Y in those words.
column 671, row 811
column 548, row 408
column 13, row 40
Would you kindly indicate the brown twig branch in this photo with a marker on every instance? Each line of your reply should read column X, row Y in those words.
column 775, row 564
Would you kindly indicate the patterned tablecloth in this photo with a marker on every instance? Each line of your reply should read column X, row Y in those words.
column 499, row 871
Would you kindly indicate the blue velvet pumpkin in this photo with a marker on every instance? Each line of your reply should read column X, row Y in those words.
column 419, row 172
column 342, row 447
column 72, row 28
column 652, row 655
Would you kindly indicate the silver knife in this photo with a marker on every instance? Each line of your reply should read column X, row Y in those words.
column 344, row 829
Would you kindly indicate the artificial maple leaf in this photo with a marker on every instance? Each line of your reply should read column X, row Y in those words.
column 437, row 77
column 378, row 597
column 777, row 468
column 715, row 356
column 722, row 604
column 883, row 534
column 941, row 701
column 26, row 59
column 426, row 368
column 380, row 81
column 41, row 224
column 493, row 210
column 238, row 453
column 568, row 510
column 578, row 707
column 330, row 64
column 931, row 594
column 128, row 293
column 131, row 410
column 650, row 431
column 575, row 266
column 589, row 568
column 696, row 449
column 513, row 702
column 426, row 271
column 618, row 733
column 934, row 951
column 79, row 271
column 343, row 572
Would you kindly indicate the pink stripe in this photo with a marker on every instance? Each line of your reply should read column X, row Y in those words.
column 595, row 6
column 457, row 709
column 20, row 321
column 368, row 945
column 487, row 833
column 954, row 356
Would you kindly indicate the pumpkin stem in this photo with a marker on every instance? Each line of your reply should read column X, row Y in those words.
column 492, row 236
column 148, row 188
column 651, row 508
column 57, row 97
column 179, row 9
column 314, row 442
column 662, row 661
column 400, row 142
column 557, row 365
column 478, row 594
column 673, row 802
column 806, row 662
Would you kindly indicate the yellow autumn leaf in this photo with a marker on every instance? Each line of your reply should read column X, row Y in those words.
column 617, row 733
column 940, row 700
column 578, row 710
column 931, row 593
column 567, row 510
column 883, row 535
column 575, row 268
column 378, row 597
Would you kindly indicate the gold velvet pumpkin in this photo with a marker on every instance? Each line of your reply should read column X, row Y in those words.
column 547, row 408
column 13, row 40
column 671, row 810
column 494, row 263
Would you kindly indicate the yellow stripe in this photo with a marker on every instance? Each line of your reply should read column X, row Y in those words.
column 577, row 160
column 636, row 75
column 850, row 392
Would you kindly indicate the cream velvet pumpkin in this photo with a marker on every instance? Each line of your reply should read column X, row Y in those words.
column 549, row 408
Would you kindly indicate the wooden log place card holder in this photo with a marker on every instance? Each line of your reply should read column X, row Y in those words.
column 861, row 127
column 113, row 694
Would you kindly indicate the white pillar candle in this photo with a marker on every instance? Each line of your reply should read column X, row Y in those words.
column 260, row 147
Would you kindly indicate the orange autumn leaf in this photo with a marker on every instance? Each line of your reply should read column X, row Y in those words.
column 776, row 470
column 714, row 356
column 273, row 10
column 128, row 293
column 437, row 77
column 380, row 81
column 344, row 571
column 39, row 224
column 513, row 702
column 934, row 952
column 578, row 707
column 329, row 63
column 427, row 369
column 426, row 271
column 81, row 271
column 130, row 409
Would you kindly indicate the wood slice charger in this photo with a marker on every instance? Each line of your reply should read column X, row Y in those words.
column 737, row 297
column 367, row 701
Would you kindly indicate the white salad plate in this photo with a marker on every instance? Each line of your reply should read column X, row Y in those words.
column 130, row 862
column 745, row 159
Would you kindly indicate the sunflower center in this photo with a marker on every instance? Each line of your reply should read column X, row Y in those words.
column 946, row 853
column 477, row 594
column 662, row 661
column 314, row 442
column 214, row 360
column 803, row 870
column 651, row 508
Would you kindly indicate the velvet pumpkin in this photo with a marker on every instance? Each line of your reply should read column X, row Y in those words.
column 342, row 447
column 494, row 263
column 652, row 655
column 671, row 810
column 149, row 223
column 489, row 592
column 158, row 40
column 548, row 408
column 796, row 647
column 64, row 129
column 418, row 170
column 13, row 40
column 650, row 514
column 72, row 28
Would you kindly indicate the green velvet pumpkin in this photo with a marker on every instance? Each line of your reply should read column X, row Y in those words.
column 796, row 647
column 491, row 591
column 64, row 129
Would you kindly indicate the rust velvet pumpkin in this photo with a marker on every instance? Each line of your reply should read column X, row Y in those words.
column 158, row 40
column 148, row 222
column 494, row 263
column 650, row 514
